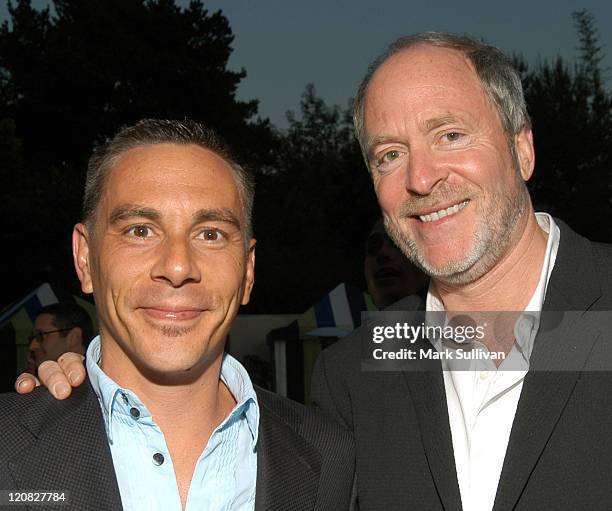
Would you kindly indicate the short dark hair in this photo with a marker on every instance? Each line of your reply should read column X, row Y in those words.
column 496, row 72
column 162, row 131
column 67, row 315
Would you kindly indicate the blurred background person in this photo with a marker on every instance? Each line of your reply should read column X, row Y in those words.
column 389, row 274
column 58, row 328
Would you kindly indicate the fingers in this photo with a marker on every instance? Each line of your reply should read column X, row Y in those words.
column 59, row 377
column 52, row 377
column 25, row 383
column 73, row 366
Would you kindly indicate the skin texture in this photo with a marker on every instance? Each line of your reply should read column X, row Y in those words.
column 434, row 141
column 166, row 262
column 168, row 266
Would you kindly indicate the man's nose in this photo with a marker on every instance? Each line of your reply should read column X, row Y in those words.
column 425, row 171
column 176, row 262
column 34, row 344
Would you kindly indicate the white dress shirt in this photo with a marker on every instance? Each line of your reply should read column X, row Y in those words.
column 482, row 403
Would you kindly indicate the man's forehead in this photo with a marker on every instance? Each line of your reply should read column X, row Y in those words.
column 157, row 171
column 170, row 157
column 43, row 319
column 424, row 66
column 426, row 60
column 426, row 84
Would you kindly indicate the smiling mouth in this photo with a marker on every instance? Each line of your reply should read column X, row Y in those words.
column 172, row 314
column 441, row 213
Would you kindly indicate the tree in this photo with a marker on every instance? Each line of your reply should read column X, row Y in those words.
column 70, row 80
column 313, row 212
column 572, row 117
column 75, row 78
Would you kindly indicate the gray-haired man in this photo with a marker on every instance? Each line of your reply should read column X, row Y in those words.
column 444, row 129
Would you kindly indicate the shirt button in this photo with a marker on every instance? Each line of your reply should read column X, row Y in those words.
column 134, row 412
column 484, row 375
column 158, row 458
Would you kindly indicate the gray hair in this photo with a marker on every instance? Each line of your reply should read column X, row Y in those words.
column 158, row 131
column 496, row 73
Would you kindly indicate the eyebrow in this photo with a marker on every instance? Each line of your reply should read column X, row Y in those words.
column 217, row 215
column 128, row 211
column 374, row 141
column 437, row 122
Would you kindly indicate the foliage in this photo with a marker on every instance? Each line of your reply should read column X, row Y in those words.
column 572, row 118
column 313, row 214
column 71, row 79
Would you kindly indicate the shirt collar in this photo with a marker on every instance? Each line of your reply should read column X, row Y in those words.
column 548, row 225
column 116, row 400
column 237, row 380
column 527, row 324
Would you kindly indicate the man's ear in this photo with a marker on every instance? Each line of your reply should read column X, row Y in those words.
column 249, row 279
column 523, row 143
column 80, row 254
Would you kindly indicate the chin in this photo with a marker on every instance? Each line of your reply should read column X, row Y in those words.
column 165, row 371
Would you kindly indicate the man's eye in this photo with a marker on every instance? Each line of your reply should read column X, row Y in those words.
column 140, row 231
column 387, row 159
column 452, row 136
column 390, row 156
column 210, row 235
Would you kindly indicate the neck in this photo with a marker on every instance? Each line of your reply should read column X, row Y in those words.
column 202, row 402
column 186, row 410
column 509, row 285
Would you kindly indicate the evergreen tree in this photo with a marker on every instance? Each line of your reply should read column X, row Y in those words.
column 71, row 79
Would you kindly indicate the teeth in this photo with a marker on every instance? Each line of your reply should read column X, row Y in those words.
column 436, row 215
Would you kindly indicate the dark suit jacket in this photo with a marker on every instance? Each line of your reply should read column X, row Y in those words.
column 305, row 461
column 559, row 454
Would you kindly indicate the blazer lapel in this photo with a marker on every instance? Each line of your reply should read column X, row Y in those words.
column 426, row 387
column 429, row 397
column 547, row 387
column 288, row 467
column 69, row 452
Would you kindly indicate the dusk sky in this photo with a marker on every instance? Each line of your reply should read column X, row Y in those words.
column 283, row 45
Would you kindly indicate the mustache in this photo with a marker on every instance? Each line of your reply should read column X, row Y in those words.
column 413, row 205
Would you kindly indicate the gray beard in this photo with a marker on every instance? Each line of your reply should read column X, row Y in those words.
column 492, row 237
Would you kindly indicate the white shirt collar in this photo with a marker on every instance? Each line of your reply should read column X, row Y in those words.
column 527, row 324
column 548, row 225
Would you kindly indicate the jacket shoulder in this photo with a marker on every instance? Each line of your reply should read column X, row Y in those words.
column 603, row 257
column 17, row 406
column 313, row 425
column 25, row 416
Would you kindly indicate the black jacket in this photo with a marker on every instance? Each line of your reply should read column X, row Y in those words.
column 305, row 461
column 559, row 454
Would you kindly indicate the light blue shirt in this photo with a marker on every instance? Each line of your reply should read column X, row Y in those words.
column 225, row 473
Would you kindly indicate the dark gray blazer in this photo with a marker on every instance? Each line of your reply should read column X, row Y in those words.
column 559, row 454
column 305, row 461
